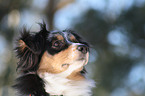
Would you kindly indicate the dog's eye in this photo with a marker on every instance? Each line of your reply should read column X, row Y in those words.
column 57, row 44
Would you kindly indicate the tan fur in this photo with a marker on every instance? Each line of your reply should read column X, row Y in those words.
column 53, row 64
column 22, row 44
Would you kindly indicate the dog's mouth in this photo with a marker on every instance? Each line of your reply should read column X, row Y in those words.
column 66, row 64
column 83, row 58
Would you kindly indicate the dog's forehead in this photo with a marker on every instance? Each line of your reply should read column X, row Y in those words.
column 61, row 35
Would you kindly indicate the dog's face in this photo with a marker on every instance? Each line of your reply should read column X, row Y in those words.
column 53, row 52
column 63, row 50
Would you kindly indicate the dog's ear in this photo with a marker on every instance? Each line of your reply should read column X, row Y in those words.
column 32, row 42
column 30, row 47
column 26, row 51
column 25, row 41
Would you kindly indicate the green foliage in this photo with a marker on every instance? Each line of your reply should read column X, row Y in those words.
column 113, row 67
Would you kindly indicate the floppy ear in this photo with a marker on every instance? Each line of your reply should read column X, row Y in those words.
column 24, row 41
column 27, row 41
column 27, row 51
column 30, row 48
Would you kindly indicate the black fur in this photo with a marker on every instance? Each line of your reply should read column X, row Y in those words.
column 30, row 84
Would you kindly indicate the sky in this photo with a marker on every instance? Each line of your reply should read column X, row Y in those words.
column 64, row 17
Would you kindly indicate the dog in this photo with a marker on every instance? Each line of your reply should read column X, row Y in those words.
column 51, row 63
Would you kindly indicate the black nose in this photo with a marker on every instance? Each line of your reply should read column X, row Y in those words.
column 83, row 48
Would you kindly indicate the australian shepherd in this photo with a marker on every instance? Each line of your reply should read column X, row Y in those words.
column 51, row 63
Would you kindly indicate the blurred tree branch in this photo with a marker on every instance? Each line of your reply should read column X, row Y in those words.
column 52, row 7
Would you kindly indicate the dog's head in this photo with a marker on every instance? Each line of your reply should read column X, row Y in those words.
column 51, row 51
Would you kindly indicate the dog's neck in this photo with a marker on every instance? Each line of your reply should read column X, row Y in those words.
column 57, row 85
column 76, row 75
column 68, row 83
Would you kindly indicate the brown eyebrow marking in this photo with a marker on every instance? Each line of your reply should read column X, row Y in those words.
column 59, row 37
column 72, row 38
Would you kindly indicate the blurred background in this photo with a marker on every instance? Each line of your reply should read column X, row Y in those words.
column 114, row 28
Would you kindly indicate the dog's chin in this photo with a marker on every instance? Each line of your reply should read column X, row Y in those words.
column 83, row 59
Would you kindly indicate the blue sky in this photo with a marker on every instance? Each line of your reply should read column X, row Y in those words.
column 64, row 17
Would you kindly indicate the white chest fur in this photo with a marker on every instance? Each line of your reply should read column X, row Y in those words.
column 56, row 85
